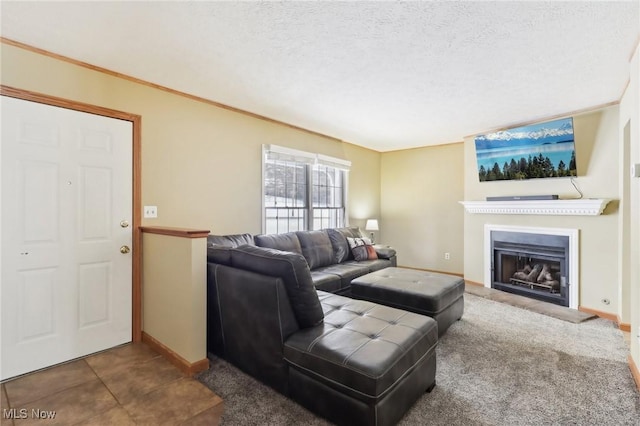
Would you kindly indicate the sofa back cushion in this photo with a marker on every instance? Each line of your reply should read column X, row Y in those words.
column 292, row 268
column 284, row 242
column 316, row 248
column 219, row 254
column 338, row 237
column 219, row 246
column 235, row 240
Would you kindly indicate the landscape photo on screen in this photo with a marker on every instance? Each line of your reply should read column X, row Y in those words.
column 537, row 151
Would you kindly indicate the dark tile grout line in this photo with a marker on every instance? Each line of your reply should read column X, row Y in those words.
column 122, row 405
column 108, row 390
column 6, row 395
column 118, row 402
column 96, row 376
column 32, row 401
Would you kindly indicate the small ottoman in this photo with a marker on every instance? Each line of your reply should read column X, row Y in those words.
column 439, row 296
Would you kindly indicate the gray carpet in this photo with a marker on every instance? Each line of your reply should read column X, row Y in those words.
column 499, row 365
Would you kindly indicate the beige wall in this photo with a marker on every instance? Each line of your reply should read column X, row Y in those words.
column 421, row 216
column 202, row 167
column 364, row 184
column 596, row 136
column 174, row 294
column 201, row 164
column 630, row 237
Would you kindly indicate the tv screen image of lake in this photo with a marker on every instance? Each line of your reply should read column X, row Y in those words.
column 537, row 151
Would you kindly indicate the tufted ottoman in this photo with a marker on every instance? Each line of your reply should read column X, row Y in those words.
column 439, row 296
column 365, row 364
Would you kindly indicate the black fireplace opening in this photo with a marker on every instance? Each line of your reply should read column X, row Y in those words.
column 531, row 265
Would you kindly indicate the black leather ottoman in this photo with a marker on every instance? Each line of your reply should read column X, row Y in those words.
column 439, row 296
column 366, row 364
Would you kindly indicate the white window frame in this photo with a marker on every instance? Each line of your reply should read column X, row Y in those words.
column 311, row 159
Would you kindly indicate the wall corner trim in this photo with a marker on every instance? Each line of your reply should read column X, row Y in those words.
column 601, row 314
column 623, row 326
column 188, row 368
column 635, row 372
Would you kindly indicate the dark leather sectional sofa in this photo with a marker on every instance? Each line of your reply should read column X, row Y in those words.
column 328, row 255
column 277, row 310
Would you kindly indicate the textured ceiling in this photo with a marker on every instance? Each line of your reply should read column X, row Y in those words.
column 385, row 75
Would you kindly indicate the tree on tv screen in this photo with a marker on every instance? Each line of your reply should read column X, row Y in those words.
column 536, row 166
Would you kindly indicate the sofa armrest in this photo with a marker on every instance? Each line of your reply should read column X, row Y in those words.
column 384, row 252
column 250, row 316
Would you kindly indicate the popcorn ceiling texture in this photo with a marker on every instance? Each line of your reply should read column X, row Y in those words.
column 385, row 75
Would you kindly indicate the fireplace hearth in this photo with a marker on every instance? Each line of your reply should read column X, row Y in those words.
column 531, row 265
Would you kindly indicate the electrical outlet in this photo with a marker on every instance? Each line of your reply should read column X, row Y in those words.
column 447, row 256
column 150, row 212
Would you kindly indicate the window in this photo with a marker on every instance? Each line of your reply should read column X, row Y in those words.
column 302, row 190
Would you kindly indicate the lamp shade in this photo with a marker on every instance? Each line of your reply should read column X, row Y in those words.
column 372, row 225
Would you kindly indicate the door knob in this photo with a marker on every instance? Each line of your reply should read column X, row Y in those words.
column 125, row 249
column 124, row 224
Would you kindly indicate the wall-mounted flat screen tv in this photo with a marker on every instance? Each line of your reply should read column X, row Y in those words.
column 537, row 151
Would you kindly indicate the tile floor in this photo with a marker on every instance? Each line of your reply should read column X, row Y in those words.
column 126, row 385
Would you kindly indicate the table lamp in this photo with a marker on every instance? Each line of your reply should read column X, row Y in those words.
column 372, row 225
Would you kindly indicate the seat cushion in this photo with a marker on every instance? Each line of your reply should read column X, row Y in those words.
column 362, row 348
column 326, row 282
column 370, row 265
column 345, row 272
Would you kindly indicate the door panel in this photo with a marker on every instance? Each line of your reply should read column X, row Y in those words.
column 94, row 207
column 66, row 185
column 39, row 198
column 95, row 286
column 36, row 314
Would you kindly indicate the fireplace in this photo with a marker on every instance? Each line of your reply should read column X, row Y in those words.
column 539, row 263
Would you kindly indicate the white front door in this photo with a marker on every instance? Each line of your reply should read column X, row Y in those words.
column 66, row 203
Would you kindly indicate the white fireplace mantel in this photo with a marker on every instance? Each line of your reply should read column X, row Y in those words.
column 573, row 207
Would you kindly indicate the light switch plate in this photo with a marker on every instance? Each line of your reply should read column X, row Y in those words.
column 150, row 212
column 635, row 170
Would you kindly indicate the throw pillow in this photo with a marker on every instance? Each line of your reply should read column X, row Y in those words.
column 362, row 249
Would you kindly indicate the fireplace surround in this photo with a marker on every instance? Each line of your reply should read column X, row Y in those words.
column 540, row 263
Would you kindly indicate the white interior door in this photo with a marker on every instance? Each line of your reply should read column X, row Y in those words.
column 66, row 191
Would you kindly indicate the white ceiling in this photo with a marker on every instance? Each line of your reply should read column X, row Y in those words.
column 385, row 75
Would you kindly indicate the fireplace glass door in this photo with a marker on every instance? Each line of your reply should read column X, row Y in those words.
column 528, row 266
